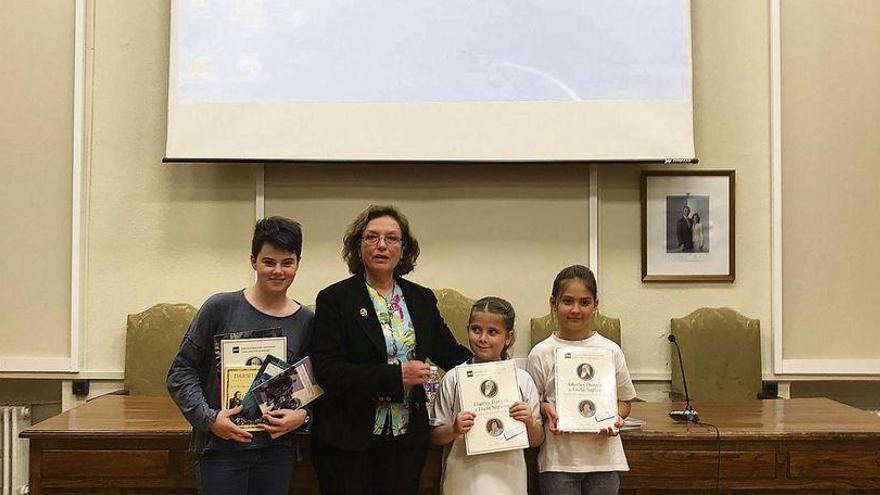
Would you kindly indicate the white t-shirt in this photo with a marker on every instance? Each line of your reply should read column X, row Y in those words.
column 578, row 452
column 496, row 473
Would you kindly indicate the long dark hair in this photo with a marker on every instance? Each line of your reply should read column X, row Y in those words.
column 574, row 272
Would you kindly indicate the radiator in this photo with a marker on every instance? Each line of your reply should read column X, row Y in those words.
column 14, row 450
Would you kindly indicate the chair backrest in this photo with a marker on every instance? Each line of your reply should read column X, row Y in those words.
column 721, row 350
column 542, row 327
column 455, row 309
column 152, row 338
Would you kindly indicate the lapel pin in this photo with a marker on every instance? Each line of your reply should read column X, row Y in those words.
column 363, row 312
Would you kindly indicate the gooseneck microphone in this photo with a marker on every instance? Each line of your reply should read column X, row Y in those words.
column 689, row 413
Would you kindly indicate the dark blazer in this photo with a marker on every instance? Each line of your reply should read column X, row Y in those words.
column 350, row 361
column 685, row 232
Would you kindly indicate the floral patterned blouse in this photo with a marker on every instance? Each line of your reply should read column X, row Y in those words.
column 400, row 346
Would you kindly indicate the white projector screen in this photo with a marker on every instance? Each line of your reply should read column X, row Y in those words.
column 490, row 80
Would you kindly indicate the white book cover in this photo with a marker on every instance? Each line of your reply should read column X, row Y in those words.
column 251, row 352
column 586, row 389
column 488, row 390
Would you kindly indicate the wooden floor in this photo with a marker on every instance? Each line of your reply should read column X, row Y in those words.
column 138, row 445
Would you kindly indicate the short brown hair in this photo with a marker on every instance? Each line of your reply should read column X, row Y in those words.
column 351, row 243
column 280, row 233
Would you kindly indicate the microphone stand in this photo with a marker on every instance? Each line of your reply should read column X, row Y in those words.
column 689, row 413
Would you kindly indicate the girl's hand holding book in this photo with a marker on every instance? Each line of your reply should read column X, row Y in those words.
column 521, row 412
column 464, row 421
column 548, row 410
column 612, row 432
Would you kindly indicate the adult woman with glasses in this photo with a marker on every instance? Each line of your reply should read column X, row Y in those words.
column 373, row 332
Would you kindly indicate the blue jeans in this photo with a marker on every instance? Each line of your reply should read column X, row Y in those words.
column 598, row 483
column 263, row 471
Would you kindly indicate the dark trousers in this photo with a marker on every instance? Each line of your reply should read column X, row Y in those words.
column 386, row 467
column 263, row 471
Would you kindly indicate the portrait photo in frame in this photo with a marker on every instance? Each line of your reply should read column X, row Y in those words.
column 688, row 226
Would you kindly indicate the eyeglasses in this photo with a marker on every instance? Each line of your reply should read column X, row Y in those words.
column 390, row 240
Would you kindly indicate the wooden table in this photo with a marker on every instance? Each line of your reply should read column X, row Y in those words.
column 138, row 445
column 111, row 445
column 815, row 445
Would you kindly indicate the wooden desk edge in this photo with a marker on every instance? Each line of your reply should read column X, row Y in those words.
column 104, row 434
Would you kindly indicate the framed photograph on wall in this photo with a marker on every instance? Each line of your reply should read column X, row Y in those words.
column 688, row 226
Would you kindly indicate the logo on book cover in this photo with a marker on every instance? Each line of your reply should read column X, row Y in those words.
column 235, row 350
column 470, row 374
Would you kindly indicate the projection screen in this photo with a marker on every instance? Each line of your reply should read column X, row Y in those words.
column 461, row 80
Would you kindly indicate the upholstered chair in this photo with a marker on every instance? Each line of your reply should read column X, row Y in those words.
column 542, row 327
column 455, row 309
column 152, row 338
column 721, row 350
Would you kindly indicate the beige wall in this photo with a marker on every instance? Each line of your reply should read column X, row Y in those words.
column 482, row 229
column 831, row 179
column 731, row 120
column 157, row 233
column 177, row 233
column 36, row 139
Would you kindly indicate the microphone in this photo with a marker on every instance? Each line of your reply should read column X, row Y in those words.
column 689, row 413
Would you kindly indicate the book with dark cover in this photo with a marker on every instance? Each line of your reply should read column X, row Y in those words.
column 272, row 367
column 293, row 388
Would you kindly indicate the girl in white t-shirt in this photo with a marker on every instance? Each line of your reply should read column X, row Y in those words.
column 490, row 334
column 577, row 463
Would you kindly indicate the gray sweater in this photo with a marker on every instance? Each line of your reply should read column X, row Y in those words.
column 194, row 381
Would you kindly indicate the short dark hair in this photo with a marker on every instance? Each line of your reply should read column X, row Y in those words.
column 574, row 272
column 279, row 232
column 351, row 242
column 497, row 306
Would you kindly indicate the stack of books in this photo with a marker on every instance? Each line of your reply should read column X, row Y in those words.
column 633, row 424
column 253, row 375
